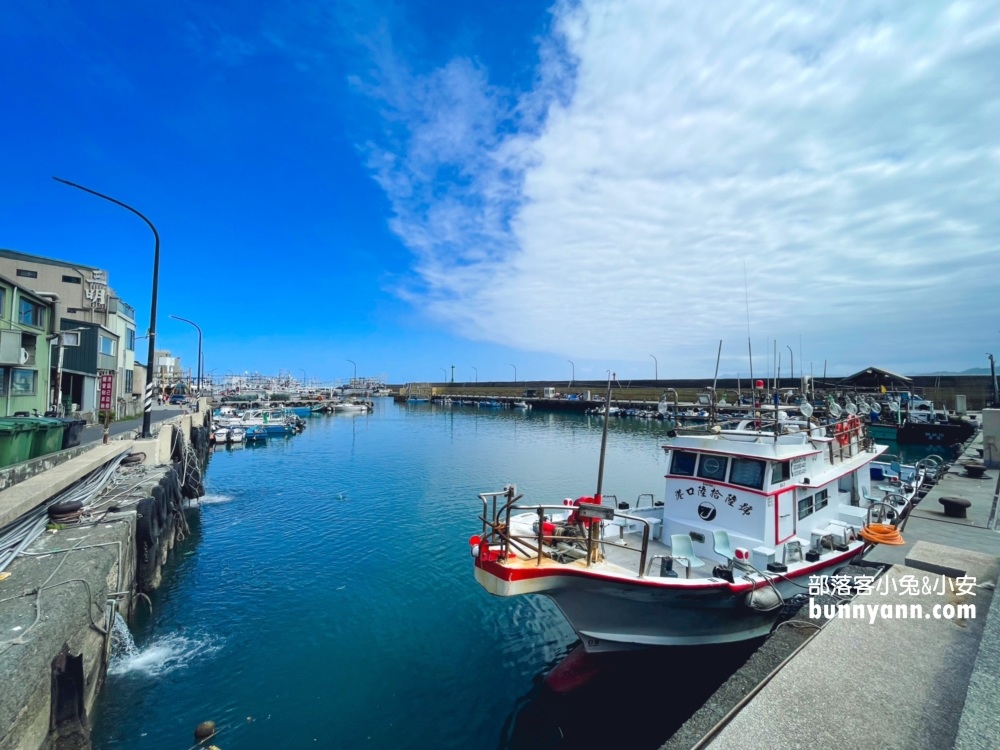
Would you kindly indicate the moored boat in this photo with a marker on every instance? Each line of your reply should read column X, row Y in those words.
column 748, row 516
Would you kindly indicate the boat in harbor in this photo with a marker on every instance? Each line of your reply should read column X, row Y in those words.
column 749, row 515
column 353, row 405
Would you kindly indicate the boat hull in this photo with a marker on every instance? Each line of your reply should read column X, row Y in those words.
column 617, row 615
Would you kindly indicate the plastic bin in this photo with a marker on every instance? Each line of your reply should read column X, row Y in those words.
column 47, row 434
column 49, row 438
column 73, row 431
column 16, row 440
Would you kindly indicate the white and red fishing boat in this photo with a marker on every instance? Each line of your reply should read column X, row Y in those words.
column 748, row 515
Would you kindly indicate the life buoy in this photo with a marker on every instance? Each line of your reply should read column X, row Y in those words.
column 853, row 424
column 319, row 398
column 842, row 435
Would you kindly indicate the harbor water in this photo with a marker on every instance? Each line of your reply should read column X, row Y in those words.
column 325, row 597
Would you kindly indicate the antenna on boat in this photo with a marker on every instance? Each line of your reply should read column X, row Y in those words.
column 746, row 299
column 604, row 440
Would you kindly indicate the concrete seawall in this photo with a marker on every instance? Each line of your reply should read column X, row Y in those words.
column 60, row 597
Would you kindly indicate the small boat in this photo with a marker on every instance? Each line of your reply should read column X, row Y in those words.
column 354, row 405
column 236, row 434
column 521, row 405
column 220, row 435
column 748, row 516
column 255, row 433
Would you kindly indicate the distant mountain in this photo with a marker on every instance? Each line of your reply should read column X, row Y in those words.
column 970, row 371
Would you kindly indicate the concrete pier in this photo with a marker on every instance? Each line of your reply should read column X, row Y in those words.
column 58, row 599
column 886, row 682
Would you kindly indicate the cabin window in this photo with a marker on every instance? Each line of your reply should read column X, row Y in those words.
column 781, row 471
column 805, row 507
column 682, row 462
column 713, row 467
column 747, row 472
column 822, row 499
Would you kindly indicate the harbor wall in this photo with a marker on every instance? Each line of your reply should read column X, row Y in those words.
column 943, row 390
column 58, row 605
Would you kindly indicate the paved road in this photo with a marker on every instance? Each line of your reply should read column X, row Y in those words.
column 95, row 433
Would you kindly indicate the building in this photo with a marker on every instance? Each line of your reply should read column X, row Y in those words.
column 82, row 298
column 26, row 325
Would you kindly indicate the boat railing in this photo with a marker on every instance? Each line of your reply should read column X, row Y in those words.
column 497, row 529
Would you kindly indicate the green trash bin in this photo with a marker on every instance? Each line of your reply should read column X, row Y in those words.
column 46, row 434
column 49, row 437
column 16, row 441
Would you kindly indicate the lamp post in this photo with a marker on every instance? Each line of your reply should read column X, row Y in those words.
column 445, row 374
column 148, row 398
column 791, row 367
column 354, row 382
column 572, row 375
column 656, row 368
column 515, row 374
column 304, row 379
column 197, row 328
column 477, row 373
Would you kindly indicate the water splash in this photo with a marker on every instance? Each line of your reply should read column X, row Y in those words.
column 122, row 643
column 158, row 657
column 214, row 499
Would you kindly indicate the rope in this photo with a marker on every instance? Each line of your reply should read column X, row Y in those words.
column 882, row 533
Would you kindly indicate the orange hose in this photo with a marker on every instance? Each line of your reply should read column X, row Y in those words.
column 882, row 533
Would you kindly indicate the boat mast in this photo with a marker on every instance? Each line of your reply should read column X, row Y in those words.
column 604, row 440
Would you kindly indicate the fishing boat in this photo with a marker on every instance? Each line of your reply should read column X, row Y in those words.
column 748, row 516
column 353, row 405
column 255, row 433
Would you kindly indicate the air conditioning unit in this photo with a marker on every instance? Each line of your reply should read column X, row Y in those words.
column 10, row 347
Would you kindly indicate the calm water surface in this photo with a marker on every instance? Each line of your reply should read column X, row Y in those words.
column 325, row 597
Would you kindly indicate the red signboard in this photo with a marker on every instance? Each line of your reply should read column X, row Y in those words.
column 106, row 391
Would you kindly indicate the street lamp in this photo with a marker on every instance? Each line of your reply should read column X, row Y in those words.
column 656, row 368
column 792, row 365
column 191, row 322
column 354, row 382
column 477, row 373
column 148, row 397
column 572, row 376
column 304, row 379
column 515, row 374
column 445, row 374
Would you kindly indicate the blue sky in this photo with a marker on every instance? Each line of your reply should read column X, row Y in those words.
column 416, row 185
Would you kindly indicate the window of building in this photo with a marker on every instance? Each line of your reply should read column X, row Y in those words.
column 781, row 471
column 72, row 279
column 30, row 314
column 3, row 302
column 27, row 274
column 130, row 339
column 3, row 381
column 713, row 467
column 22, row 382
column 128, row 381
column 682, row 462
column 107, row 346
column 747, row 472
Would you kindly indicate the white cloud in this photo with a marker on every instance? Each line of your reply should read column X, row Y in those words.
column 847, row 156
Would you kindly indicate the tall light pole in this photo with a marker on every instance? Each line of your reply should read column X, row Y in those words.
column 191, row 322
column 354, row 382
column 148, row 398
column 656, row 368
column 515, row 374
column 477, row 373
column 572, row 375
column 303, row 376
column 445, row 374
column 792, row 360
